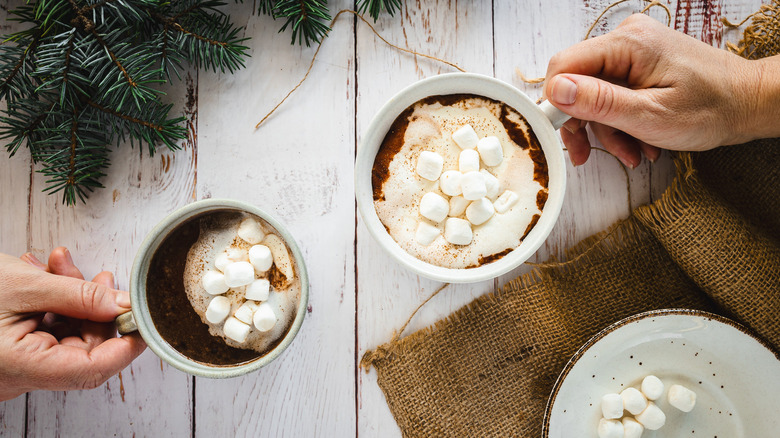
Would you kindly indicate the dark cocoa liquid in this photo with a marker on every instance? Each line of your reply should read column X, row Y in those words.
column 174, row 318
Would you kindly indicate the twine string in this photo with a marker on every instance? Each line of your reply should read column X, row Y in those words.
column 319, row 46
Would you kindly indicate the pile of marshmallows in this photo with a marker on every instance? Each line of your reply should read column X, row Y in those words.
column 234, row 271
column 646, row 414
column 471, row 190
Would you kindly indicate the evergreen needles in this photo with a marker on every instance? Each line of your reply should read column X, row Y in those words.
column 85, row 75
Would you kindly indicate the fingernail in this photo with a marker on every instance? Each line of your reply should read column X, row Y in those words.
column 627, row 163
column 68, row 257
column 568, row 128
column 123, row 299
column 564, row 91
column 32, row 260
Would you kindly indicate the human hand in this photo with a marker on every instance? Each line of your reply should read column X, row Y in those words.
column 56, row 330
column 644, row 86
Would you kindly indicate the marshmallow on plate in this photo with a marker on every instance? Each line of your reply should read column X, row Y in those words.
column 251, row 231
column 633, row 400
column 264, row 318
column 491, row 151
column 610, row 428
column 261, row 258
column 652, row 418
column 505, row 201
column 449, row 183
column 468, row 161
column 612, row 406
column 473, row 186
column 214, row 283
column 218, row 309
column 465, row 137
column 239, row 274
column 245, row 312
column 491, row 184
column 434, row 207
column 429, row 165
column 479, row 211
column 258, row 290
column 681, row 398
column 458, row 205
column 426, row 233
column 652, row 387
column 236, row 330
column 632, row 428
column 458, row 231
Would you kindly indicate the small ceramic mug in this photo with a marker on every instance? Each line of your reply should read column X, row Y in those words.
column 139, row 319
column 543, row 119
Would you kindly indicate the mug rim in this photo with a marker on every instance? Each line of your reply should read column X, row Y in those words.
column 140, row 308
column 461, row 83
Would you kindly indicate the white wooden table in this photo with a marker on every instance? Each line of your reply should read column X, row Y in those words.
column 299, row 165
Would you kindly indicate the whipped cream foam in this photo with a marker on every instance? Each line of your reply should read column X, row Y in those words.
column 428, row 125
column 215, row 237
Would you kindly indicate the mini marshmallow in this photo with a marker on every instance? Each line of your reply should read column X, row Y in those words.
column 632, row 428
column 652, row 418
column 281, row 255
column 490, row 151
column 258, row 290
column 434, row 207
column 426, row 233
column 429, row 165
column 245, row 312
column 473, row 185
column 218, row 310
column 214, row 283
column 652, row 387
column 479, row 211
column 265, row 318
column 681, row 398
column 261, row 258
column 222, row 261
column 468, row 161
column 458, row 231
column 491, row 184
column 506, row 201
column 465, row 137
column 236, row 330
column 235, row 254
column 239, row 274
column 612, row 406
column 449, row 183
column 458, row 205
column 610, row 428
column 633, row 400
column 251, row 231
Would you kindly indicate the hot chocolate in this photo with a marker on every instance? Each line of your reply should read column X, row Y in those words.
column 179, row 303
column 459, row 180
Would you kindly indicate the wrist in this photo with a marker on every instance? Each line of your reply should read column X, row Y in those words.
column 759, row 92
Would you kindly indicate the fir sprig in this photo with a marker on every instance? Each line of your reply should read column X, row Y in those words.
column 375, row 7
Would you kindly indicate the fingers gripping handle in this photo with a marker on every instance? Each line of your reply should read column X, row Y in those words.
column 556, row 116
column 125, row 323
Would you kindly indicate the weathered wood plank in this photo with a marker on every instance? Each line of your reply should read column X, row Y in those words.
column 459, row 32
column 297, row 166
column 148, row 399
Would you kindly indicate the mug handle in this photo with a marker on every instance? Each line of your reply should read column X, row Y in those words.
column 125, row 323
column 556, row 116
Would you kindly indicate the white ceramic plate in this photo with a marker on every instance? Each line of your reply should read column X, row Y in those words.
column 736, row 377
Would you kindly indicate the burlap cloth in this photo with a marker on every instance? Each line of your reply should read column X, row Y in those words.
column 712, row 242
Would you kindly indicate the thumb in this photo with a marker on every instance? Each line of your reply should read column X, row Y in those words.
column 592, row 99
column 44, row 292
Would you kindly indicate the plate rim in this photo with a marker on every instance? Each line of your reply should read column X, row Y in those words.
column 625, row 321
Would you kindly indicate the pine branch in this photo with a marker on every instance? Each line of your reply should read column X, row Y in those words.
column 306, row 18
column 375, row 7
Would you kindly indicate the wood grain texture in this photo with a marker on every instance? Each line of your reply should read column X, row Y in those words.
column 298, row 167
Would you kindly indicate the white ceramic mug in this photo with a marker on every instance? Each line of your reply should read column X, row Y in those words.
column 543, row 119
